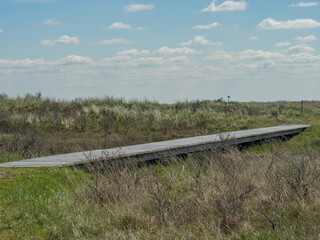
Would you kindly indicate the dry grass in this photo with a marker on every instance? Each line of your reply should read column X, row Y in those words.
column 227, row 194
column 270, row 192
column 33, row 126
column 215, row 195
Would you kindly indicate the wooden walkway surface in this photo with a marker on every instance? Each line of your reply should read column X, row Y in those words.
column 158, row 150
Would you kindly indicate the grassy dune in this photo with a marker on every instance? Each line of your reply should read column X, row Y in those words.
column 267, row 192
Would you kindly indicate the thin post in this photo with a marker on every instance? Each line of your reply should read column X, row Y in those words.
column 302, row 107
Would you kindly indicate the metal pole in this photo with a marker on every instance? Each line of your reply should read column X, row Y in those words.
column 302, row 107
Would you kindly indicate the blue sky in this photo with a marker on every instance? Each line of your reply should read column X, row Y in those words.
column 161, row 50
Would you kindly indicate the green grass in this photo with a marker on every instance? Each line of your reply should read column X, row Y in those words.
column 34, row 201
column 8, row 157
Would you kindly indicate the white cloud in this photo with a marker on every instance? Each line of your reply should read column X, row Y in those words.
column 62, row 40
column 171, row 51
column 210, row 68
column 178, row 59
column 1, row 30
column 249, row 59
column 198, row 78
column 206, row 27
column 254, row 38
column 270, row 23
column 302, row 57
column 115, row 41
column 134, row 52
column 201, row 40
column 29, row 63
column 117, row 59
column 252, row 54
column 149, row 61
column 51, row 22
column 119, row 25
column 125, row 61
column 309, row 38
column 244, row 56
column 219, row 56
column 226, row 6
column 73, row 59
column 258, row 59
column 138, row 7
column 282, row 44
column 301, row 49
column 23, row 63
column 256, row 65
column 67, row 40
column 304, row 4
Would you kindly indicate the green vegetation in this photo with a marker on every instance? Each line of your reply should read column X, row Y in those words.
column 267, row 192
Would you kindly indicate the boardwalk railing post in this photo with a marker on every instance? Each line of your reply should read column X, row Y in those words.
column 302, row 107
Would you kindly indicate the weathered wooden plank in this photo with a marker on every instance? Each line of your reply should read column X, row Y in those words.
column 157, row 150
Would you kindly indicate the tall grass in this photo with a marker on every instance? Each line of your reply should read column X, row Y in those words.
column 225, row 195
column 34, row 126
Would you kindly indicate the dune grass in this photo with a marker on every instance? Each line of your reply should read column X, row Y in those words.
column 266, row 192
column 227, row 195
column 33, row 126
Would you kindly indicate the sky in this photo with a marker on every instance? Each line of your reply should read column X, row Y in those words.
column 265, row 50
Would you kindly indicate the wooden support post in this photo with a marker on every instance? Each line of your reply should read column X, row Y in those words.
column 302, row 107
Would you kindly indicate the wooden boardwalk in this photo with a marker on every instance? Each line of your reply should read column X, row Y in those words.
column 158, row 150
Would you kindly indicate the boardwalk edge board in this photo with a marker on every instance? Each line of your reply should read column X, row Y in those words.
column 158, row 150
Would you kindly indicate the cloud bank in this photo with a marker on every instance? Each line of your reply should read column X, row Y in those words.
column 304, row 4
column 171, row 51
column 270, row 23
